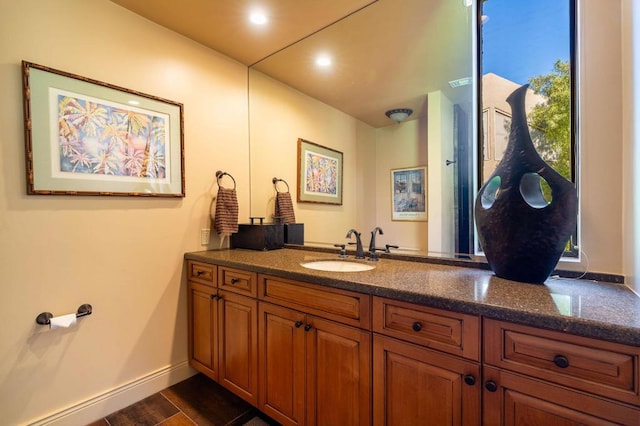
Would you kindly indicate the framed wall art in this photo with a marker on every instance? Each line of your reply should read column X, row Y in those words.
column 86, row 137
column 319, row 174
column 409, row 194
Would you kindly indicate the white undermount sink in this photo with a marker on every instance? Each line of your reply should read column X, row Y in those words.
column 337, row 266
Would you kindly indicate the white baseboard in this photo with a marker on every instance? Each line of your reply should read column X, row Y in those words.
column 113, row 400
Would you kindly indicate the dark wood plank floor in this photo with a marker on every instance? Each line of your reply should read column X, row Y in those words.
column 196, row 401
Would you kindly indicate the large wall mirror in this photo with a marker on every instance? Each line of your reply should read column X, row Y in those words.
column 419, row 55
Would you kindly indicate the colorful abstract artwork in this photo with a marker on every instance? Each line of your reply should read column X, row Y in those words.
column 109, row 139
column 319, row 174
column 87, row 137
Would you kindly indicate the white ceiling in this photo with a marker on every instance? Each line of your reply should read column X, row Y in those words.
column 386, row 53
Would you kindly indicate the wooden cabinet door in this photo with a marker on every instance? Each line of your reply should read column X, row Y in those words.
column 203, row 323
column 238, row 345
column 413, row 385
column 281, row 344
column 511, row 400
column 338, row 374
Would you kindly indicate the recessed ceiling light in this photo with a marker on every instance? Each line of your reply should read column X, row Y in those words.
column 258, row 18
column 323, row 61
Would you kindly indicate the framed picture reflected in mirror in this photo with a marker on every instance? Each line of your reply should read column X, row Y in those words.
column 409, row 194
column 319, row 174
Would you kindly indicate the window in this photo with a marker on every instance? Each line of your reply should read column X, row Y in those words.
column 526, row 42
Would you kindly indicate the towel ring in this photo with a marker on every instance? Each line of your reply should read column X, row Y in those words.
column 276, row 180
column 219, row 175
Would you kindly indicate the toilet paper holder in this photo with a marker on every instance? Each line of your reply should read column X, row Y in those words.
column 44, row 318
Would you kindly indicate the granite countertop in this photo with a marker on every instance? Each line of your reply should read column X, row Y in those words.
column 587, row 308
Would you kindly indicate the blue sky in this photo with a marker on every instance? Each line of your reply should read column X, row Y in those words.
column 524, row 38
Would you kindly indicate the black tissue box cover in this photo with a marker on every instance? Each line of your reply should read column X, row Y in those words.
column 294, row 233
column 267, row 236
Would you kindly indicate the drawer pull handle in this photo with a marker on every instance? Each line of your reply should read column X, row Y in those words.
column 307, row 327
column 298, row 324
column 491, row 386
column 416, row 326
column 470, row 380
column 561, row 361
column 215, row 297
column 198, row 273
column 234, row 280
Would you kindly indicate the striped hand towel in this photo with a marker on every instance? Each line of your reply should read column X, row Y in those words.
column 226, row 220
column 284, row 208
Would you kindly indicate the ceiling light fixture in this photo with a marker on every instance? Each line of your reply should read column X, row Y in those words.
column 323, row 61
column 399, row 114
column 258, row 18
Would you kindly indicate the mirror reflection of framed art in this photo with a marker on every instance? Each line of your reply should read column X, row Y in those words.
column 319, row 174
column 409, row 194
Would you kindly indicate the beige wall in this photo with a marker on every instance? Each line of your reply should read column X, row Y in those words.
column 600, row 133
column 399, row 146
column 122, row 255
column 441, row 178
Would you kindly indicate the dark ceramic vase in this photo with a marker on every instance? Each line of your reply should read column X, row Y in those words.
column 523, row 235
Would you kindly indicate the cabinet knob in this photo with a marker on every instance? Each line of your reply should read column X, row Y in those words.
column 491, row 386
column 307, row 327
column 416, row 326
column 470, row 380
column 298, row 324
column 198, row 273
column 234, row 280
column 561, row 361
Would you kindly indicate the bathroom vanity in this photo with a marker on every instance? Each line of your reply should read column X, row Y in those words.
column 412, row 342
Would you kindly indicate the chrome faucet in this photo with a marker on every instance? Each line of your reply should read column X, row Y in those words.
column 359, row 249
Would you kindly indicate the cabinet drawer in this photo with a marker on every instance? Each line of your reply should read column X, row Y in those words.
column 599, row 367
column 237, row 281
column 517, row 400
column 449, row 332
column 339, row 305
column 201, row 272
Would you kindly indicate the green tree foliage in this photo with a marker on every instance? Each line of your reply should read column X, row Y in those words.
column 551, row 121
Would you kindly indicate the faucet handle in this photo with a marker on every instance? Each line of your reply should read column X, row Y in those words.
column 389, row 246
column 343, row 251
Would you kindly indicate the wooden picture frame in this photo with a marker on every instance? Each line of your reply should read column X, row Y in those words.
column 86, row 137
column 409, row 194
column 319, row 174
